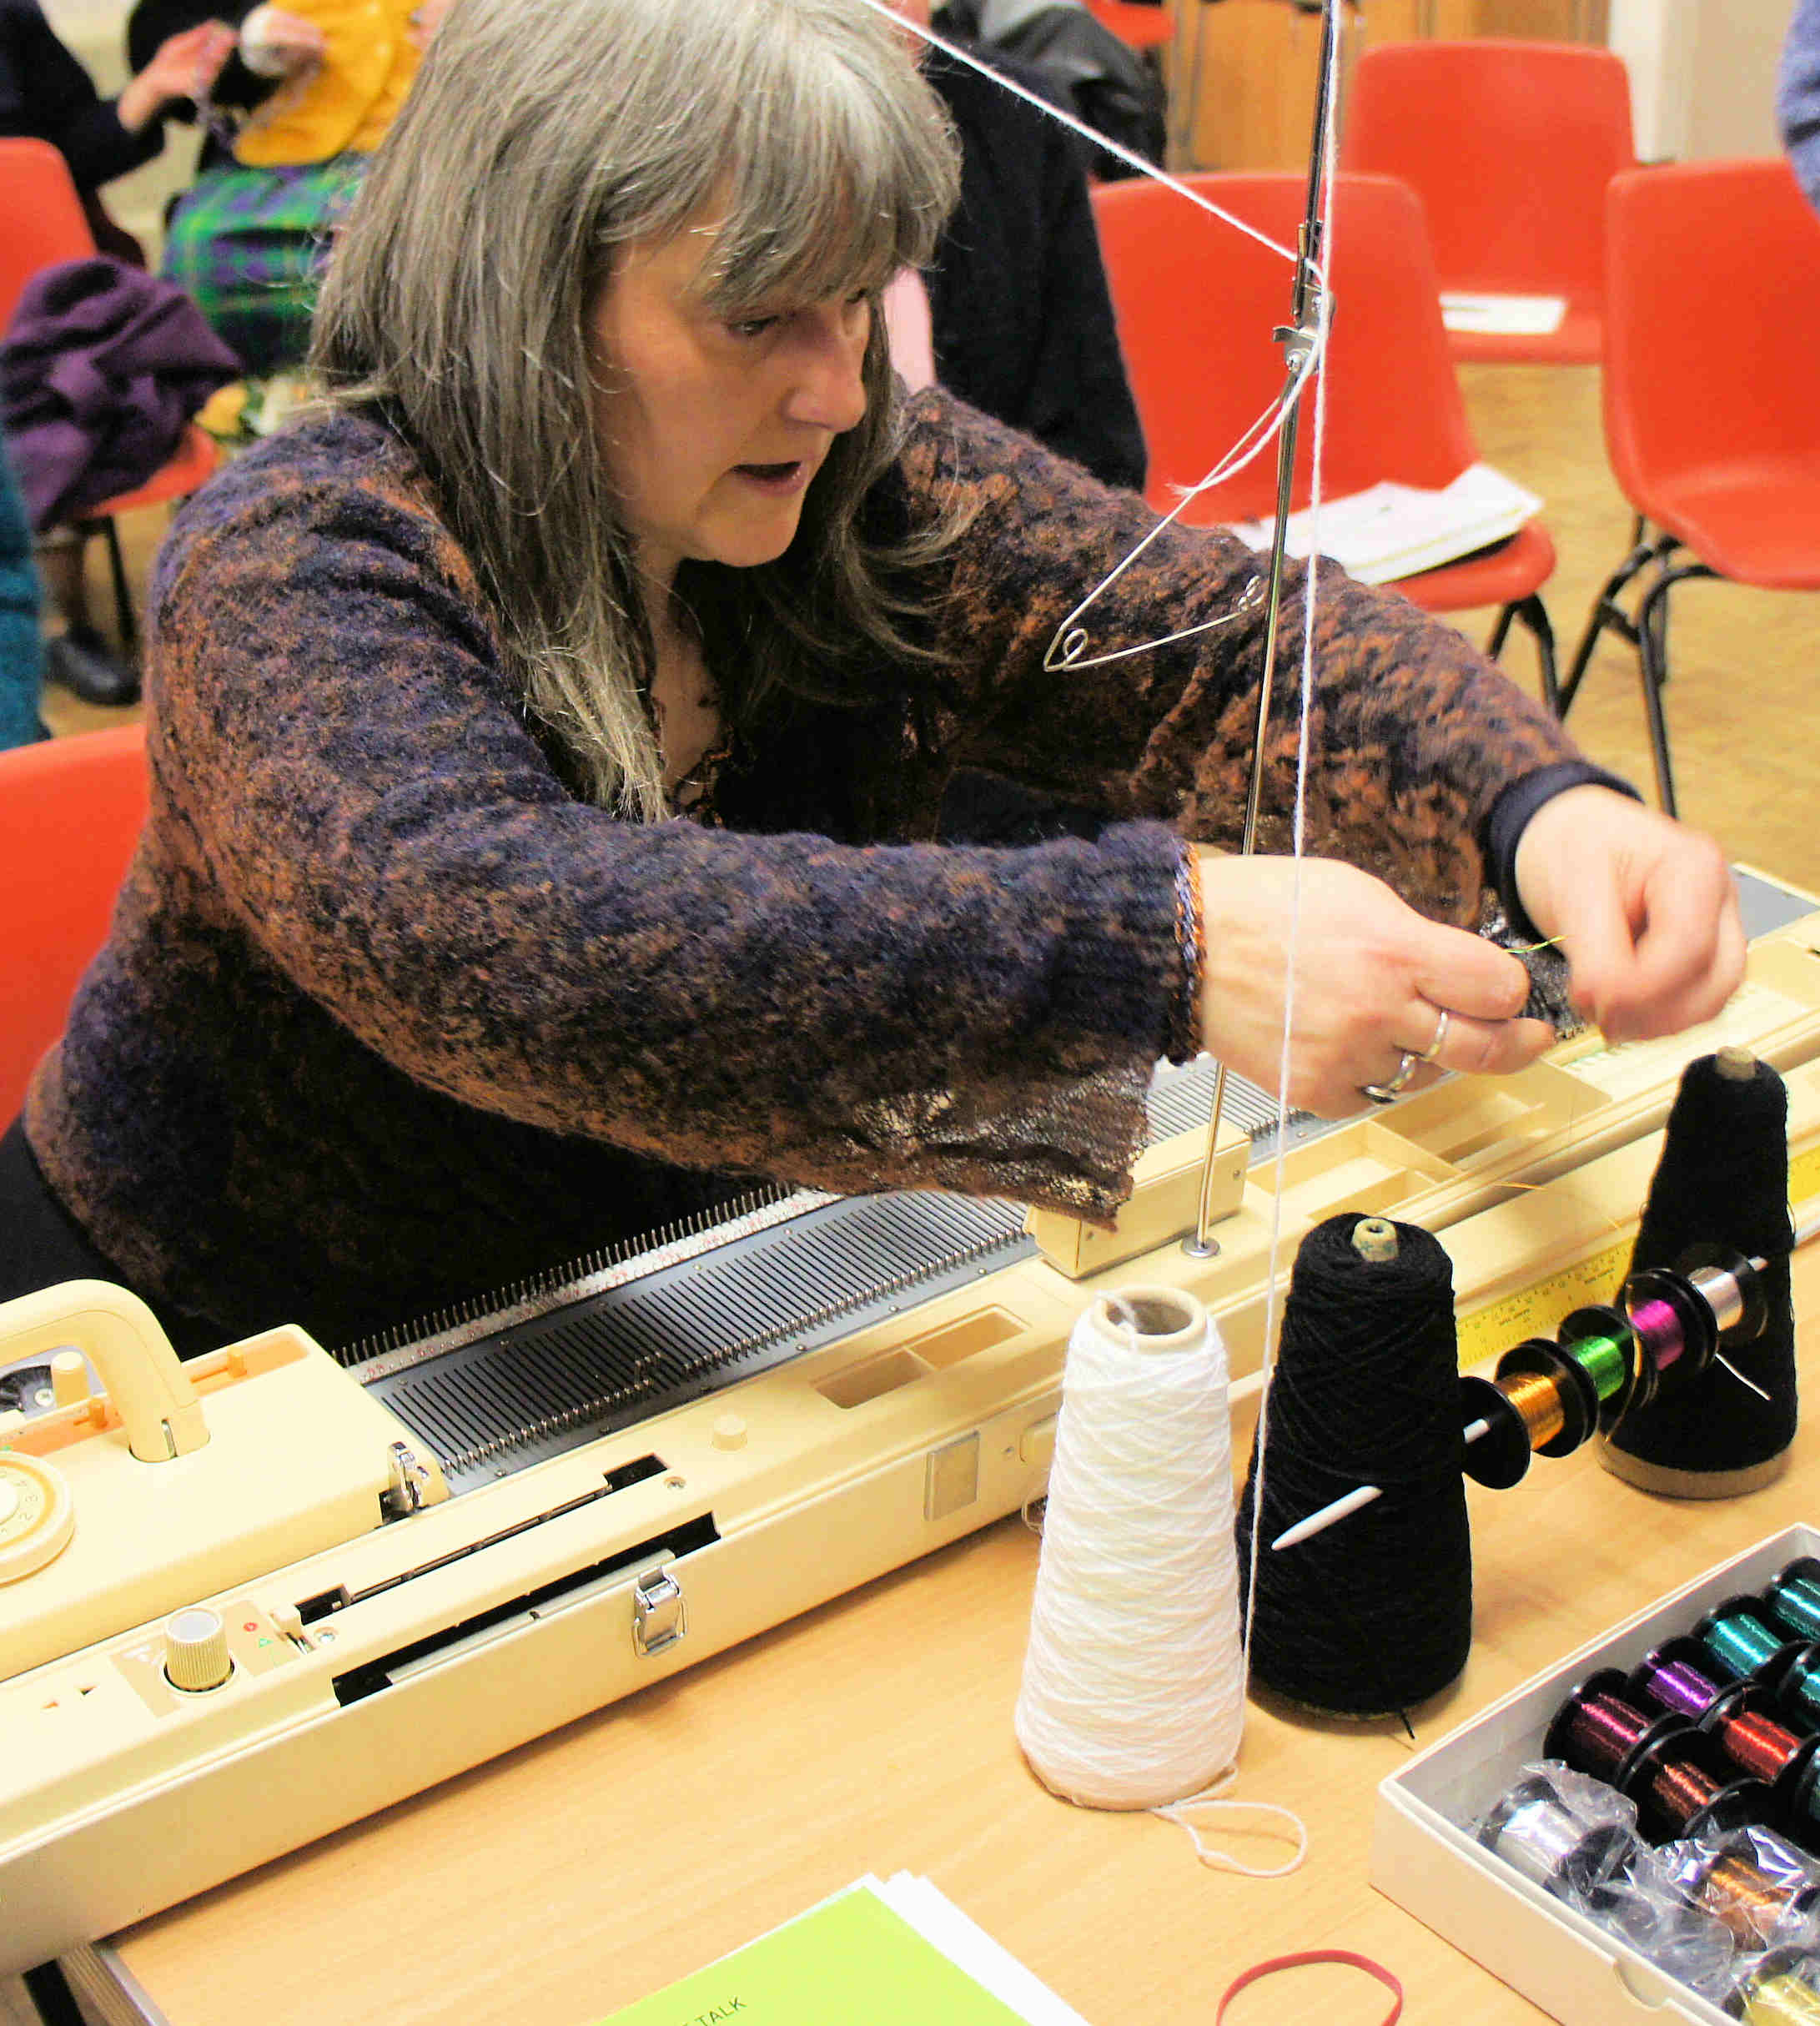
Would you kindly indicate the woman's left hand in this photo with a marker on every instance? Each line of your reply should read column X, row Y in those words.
column 1644, row 910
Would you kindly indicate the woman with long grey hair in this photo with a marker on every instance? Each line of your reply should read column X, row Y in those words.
column 549, row 736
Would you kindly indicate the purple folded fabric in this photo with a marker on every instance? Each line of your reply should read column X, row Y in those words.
column 100, row 368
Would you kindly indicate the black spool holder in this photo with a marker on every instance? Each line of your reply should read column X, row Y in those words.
column 1538, row 1356
column 1699, row 1335
column 1500, row 1457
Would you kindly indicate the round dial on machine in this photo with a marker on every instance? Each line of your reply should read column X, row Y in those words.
column 37, row 1515
column 196, row 1657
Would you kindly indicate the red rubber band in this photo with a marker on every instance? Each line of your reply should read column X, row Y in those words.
column 1273, row 1964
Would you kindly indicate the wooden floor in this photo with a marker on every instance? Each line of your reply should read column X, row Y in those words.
column 1743, row 714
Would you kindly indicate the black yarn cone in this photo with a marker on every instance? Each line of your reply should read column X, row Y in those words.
column 1374, row 1614
column 1722, row 1179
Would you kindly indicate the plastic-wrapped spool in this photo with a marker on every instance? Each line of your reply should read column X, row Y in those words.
column 1133, row 1694
column 1778, row 1990
column 1572, row 1835
column 1374, row 1615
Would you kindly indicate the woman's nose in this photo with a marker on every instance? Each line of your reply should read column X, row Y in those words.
column 828, row 386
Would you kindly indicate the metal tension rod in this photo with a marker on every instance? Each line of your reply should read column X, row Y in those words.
column 1300, row 339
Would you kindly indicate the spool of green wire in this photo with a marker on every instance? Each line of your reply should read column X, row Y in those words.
column 1739, row 1641
column 1605, row 1361
column 1796, row 1602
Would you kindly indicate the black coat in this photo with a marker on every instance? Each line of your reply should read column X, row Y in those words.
column 1023, row 321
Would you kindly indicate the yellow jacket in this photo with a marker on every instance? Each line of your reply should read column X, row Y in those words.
column 349, row 100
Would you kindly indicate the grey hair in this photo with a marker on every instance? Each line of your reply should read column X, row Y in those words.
column 540, row 137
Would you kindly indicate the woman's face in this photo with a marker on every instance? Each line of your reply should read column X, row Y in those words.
column 712, row 431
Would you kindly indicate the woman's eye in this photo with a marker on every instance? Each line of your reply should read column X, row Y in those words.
column 753, row 326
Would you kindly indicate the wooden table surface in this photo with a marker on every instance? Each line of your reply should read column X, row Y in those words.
column 580, row 1872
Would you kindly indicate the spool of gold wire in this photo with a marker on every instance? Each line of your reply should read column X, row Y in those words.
column 1745, row 1897
column 1537, row 1399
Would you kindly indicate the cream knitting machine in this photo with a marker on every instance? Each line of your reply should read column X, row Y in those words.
column 250, row 1599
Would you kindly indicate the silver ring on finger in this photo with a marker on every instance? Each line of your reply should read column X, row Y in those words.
column 1434, row 1047
column 1388, row 1091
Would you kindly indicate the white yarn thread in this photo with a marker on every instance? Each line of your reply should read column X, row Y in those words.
column 1133, row 1694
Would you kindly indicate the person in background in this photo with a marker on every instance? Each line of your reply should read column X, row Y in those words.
column 547, row 734
column 292, row 121
column 21, row 661
column 1020, row 320
column 46, row 94
column 1798, row 97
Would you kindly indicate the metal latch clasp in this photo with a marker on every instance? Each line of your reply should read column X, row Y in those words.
column 659, row 1611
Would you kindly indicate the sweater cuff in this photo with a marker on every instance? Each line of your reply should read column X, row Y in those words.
column 1517, row 802
column 1117, row 980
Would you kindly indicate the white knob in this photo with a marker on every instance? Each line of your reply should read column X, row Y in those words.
column 729, row 1432
column 196, row 1657
column 69, row 1377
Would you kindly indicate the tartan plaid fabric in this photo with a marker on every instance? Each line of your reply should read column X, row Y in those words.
column 249, row 244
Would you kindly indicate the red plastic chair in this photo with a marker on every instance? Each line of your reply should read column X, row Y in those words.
column 1197, row 301
column 40, row 225
column 1509, row 146
column 1136, row 25
column 1712, row 406
column 70, row 812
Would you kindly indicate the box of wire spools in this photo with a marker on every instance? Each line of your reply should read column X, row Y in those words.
column 1636, row 1834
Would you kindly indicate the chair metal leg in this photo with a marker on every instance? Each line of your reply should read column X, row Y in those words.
column 1651, row 641
column 123, row 591
column 1651, row 633
column 1606, row 611
column 1533, row 615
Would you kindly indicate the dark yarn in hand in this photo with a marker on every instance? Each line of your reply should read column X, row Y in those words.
column 1376, row 1612
column 1722, row 1181
column 1547, row 964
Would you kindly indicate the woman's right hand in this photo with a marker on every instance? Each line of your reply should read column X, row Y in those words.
column 1373, row 979
column 277, row 44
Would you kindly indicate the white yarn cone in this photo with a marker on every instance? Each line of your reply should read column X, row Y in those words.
column 1133, row 1694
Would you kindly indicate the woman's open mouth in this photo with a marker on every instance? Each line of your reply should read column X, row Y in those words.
column 776, row 478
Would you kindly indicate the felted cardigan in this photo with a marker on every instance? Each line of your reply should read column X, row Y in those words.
column 389, row 1016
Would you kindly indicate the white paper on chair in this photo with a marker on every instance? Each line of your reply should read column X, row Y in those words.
column 1391, row 531
column 1502, row 316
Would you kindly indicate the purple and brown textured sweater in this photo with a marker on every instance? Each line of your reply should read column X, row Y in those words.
column 389, row 1018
